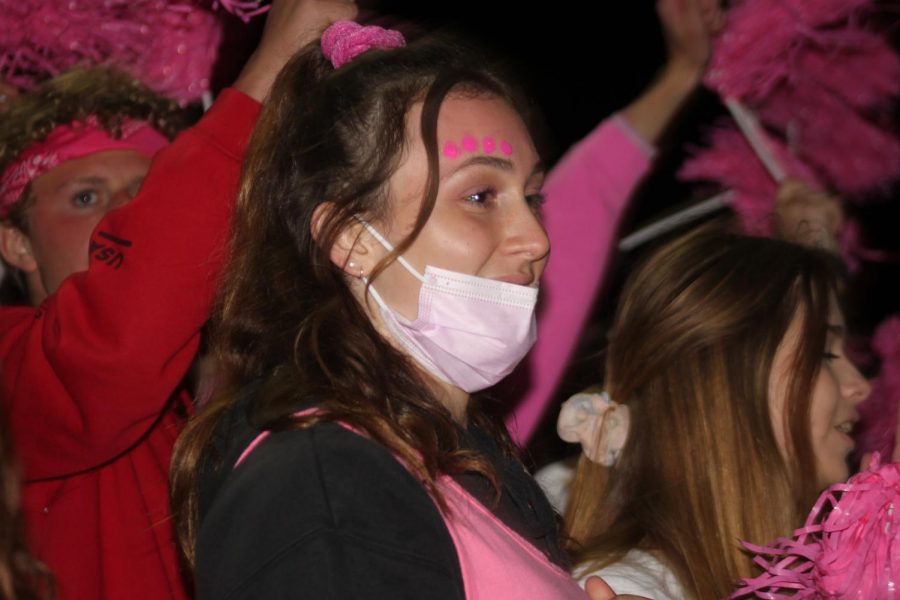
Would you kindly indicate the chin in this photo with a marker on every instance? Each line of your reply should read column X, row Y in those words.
column 833, row 474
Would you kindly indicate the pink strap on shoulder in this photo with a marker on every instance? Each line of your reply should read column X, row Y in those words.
column 262, row 436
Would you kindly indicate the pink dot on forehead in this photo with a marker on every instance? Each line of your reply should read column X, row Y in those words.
column 506, row 148
column 469, row 143
column 489, row 145
column 451, row 150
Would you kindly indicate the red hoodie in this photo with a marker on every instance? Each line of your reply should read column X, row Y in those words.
column 92, row 376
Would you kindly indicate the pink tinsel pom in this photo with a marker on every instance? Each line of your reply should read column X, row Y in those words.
column 851, row 551
column 171, row 45
column 345, row 40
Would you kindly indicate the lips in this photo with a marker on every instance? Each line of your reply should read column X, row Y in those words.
column 516, row 278
column 846, row 427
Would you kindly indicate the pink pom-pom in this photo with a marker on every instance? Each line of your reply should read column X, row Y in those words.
column 862, row 70
column 851, row 551
column 171, row 45
column 854, row 156
column 749, row 56
column 819, row 13
column 730, row 161
column 812, row 73
column 345, row 40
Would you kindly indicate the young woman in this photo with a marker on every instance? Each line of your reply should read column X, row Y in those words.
column 384, row 268
column 726, row 369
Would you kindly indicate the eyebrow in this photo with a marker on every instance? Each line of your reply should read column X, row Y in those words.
column 493, row 161
column 87, row 179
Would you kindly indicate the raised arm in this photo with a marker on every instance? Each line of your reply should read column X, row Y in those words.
column 89, row 371
column 587, row 193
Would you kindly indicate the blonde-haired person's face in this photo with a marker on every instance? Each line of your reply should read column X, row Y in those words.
column 69, row 202
column 837, row 389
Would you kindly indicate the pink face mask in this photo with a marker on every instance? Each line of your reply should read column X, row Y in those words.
column 470, row 331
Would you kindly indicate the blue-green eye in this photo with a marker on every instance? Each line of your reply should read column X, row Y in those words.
column 85, row 198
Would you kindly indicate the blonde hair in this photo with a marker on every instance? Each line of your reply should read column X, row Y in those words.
column 102, row 92
column 691, row 353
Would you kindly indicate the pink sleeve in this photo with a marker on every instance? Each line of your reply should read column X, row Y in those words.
column 587, row 193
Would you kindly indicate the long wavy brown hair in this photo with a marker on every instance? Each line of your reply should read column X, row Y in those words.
column 22, row 576
column 691, row 352
column 286, row 314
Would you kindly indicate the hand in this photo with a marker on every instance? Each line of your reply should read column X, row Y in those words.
column 290, row 25
column 805, row 216
column 597, row 589
column 687, row 26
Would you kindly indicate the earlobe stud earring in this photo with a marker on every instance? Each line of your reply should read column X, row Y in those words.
column 353, row 266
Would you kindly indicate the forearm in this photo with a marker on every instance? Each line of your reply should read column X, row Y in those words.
column 651, row 112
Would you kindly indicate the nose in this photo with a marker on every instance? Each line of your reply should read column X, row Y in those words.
column 853, row 385
column 526, row 236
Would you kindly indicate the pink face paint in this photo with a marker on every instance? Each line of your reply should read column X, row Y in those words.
column 506, row 148
column 489, row 145
column 451, row 150
column 469, row 143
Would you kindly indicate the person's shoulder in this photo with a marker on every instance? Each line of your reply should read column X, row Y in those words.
column 639, row 573
column 320, row 492
column 556, row 480
column 330, row 459
column 324, row 466
column 15, row 320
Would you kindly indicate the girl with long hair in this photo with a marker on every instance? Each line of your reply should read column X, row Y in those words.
column 384, row 268
column 728, row 405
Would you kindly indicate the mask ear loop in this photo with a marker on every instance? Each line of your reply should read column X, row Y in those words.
column 403, row 262
column 389, row 247
column 389, row 314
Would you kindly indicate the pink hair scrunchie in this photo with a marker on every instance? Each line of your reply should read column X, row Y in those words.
column 345, row 40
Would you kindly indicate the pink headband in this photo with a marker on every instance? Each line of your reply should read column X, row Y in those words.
column 345, row 40
column 68, row 142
